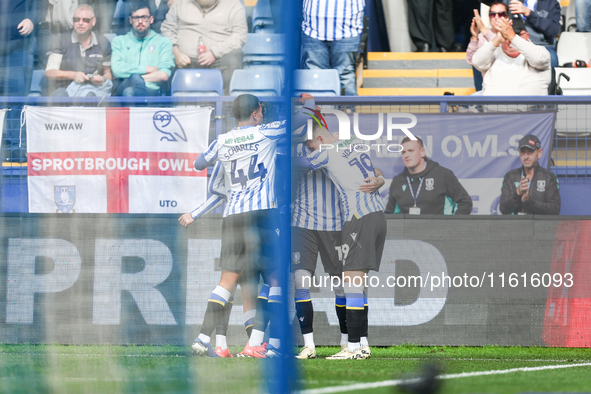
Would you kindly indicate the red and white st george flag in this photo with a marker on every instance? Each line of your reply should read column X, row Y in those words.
column 116, row 160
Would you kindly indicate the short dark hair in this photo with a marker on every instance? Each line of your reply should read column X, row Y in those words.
column 139, row 5
column 244, row 105
column 407, row 139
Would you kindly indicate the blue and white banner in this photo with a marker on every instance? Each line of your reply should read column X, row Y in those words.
column 479, row 148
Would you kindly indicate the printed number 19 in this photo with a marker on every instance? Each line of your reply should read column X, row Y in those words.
column 364, row 165
column 343, row 251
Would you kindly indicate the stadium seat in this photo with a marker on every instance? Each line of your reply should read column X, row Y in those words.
column 263, row 49
column 197, row 82
column 574, row 46
column 317, row 82
column 579, row 83
column 255, row 82
column 37, row 83
column 110, row 36
column 262, row 19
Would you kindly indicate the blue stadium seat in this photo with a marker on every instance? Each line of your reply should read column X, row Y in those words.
column 110, row 36
column 317, row 82
column 263, row 49
column 37, row 83
column 266, row 83
column 197, row 82
column 262, row 19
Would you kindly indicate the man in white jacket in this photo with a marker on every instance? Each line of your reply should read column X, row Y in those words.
column 513, row 65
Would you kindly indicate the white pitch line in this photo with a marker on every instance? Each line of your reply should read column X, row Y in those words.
column 386, row 383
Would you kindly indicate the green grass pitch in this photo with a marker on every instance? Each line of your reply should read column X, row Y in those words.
column 172, row 369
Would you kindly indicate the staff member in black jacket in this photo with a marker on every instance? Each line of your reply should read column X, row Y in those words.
column 531, row 188
column 424, row 187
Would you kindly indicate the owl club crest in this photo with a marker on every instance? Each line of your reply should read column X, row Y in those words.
column 541, row 186
column 429, row 183
column 65, row 198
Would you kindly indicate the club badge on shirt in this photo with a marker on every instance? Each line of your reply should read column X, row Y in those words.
column 541, row 186
column 429, row 183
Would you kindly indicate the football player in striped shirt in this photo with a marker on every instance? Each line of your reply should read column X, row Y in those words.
column 250, row 225
column 364, row 230
column 317, row 224
column 217, row 188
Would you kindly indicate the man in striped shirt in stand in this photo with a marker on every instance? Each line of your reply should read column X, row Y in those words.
column 331, row 32
column 364, row 230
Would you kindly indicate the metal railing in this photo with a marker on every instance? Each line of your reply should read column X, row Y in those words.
column 570, row 154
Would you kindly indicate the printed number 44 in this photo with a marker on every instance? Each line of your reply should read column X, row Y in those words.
column 254, row 171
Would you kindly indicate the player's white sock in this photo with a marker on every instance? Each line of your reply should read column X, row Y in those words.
column 275, row 342
column 354, row 346
column 204, row 338
column 344, row 339
column 363, row 341
column 256, row 338
column 220, row 340
column 309, row 340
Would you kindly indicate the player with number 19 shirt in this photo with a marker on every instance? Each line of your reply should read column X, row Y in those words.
column 364, row 231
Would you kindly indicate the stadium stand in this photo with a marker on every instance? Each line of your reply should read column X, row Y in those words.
column 197, row 82
column 262, row 48
column 37, row 83
column 317, row 82
column 417, row 74
column 573, row 47
column 262, row 19
column 255, row 82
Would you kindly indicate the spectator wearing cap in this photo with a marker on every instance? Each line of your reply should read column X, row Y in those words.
column 542, row 21
column 511, row 64
column 530, row 189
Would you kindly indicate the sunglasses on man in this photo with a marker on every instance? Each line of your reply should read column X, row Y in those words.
column 85, row 20
column 501, row 14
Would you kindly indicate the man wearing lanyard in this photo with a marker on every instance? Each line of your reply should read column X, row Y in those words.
column 530, row 189
column 424, row 187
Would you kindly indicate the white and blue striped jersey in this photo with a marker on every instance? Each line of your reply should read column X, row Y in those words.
column 348, row 169
column 330, row 20
column 217, row 188
column 248, row 157
column 316, row 205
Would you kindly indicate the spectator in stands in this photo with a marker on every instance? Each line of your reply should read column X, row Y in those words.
column 530, row 189
column 482, row 34
column 142, row 57
column 331, row 32
column 542, row 21
column 430, row 25
column 18, row 18
column 57, row 20
column 583, row 15
column 222, row 26
column 424, row 187
column 79, row 62
column 511, row 64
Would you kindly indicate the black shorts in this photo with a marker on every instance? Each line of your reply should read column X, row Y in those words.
column 363, row 242
column 305, row 245
column 249, row 241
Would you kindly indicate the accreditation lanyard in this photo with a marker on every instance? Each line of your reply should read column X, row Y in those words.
column 412, row 193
